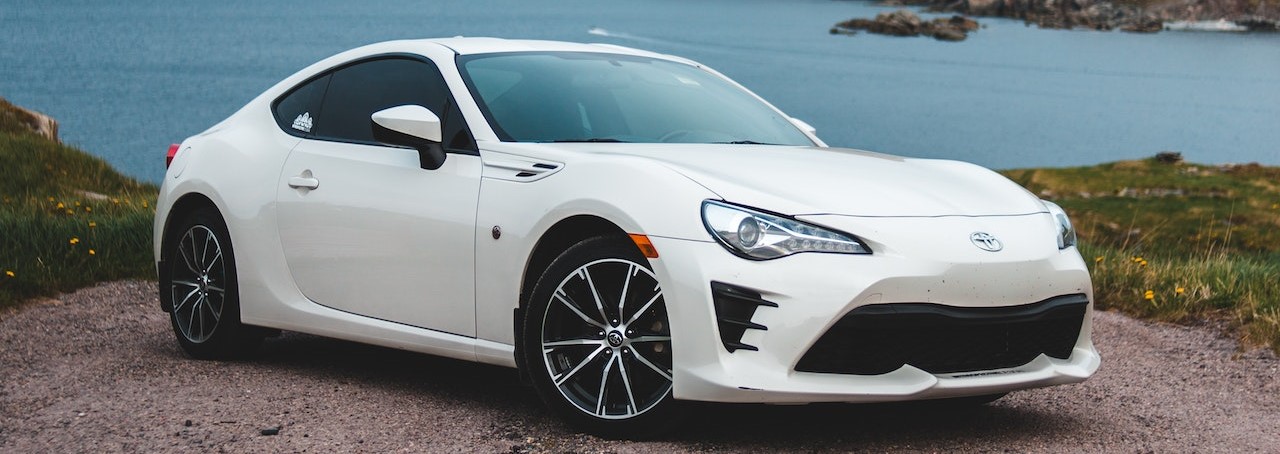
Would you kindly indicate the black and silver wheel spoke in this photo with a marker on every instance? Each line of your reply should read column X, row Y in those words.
column 196, row 284
column 619, row 367
column 595, row 294
column 560, row 296
column 626, row 384
column 666, row 373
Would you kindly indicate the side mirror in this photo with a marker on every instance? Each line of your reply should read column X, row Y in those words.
column 803, row 126
column 411, row 126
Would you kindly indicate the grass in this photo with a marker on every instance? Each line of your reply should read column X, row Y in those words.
column 1177, row 242
column 67, row 219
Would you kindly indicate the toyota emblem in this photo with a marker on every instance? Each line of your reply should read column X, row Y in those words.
column 986, row 241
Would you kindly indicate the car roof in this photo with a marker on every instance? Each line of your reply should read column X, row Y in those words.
column 485, row 45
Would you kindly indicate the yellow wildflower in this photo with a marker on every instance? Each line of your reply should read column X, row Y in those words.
column 1179, row 290
column 88, row 209
column 92, row 224
column 1151, row 295
column 61, row 206
column 115, row 201
column 91, row 252
column 70, row 212
column 1098, row 259
column 50, row 199
column 74, row 240
column 77, row 203
column 8, row 273
column 144, row 203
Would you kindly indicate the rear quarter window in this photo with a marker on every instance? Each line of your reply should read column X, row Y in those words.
column 296, row 112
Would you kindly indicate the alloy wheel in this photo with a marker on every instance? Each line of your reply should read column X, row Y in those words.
column 198, row 289
column 605, row 339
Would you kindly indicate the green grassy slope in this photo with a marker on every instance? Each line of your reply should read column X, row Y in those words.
column 67, row 219
column 1175, row 241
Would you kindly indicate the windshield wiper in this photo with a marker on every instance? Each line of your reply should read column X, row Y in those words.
column 746, row 142
column 591, row 139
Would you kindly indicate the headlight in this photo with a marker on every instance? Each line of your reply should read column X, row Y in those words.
column 1066, row 233
column 762, row 236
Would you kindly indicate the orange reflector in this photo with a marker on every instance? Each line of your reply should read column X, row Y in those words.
column 646, row 247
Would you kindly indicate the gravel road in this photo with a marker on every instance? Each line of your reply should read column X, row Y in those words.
column 98, row 370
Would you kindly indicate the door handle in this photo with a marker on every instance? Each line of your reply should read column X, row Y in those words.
column 305, row 181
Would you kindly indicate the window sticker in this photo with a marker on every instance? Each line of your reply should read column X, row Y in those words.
column 303, row 122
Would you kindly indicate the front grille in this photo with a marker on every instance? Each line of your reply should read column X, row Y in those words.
column 880, row 338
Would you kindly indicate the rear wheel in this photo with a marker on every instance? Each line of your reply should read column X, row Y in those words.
column 201, row 287
column 597, row 341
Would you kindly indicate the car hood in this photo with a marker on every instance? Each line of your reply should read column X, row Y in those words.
column 812, row 180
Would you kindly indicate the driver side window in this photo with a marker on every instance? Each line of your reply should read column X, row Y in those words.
column 355, row 92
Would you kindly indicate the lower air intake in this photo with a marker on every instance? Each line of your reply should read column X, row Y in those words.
column 880, row 338
column 734, row 308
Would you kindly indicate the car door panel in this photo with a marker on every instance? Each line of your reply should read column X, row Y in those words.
column 380, row 237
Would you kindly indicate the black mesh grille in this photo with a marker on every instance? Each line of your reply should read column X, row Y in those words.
column 939, row 339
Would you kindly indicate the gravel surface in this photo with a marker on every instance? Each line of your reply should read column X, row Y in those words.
column 99, row 370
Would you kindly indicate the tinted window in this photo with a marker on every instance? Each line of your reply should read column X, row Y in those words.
column 296, row 111
column 357, row 91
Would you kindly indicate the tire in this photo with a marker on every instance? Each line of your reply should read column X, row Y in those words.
column 597, row 342
column 202, row 291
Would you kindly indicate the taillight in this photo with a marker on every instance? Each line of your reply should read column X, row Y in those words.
column 168, row 157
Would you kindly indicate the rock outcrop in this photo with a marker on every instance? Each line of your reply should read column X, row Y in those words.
column 907, row 23
column 1142, row 16
column 17, row 119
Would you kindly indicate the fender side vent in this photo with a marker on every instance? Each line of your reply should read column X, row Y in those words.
column 734, row 308
column 519, row 169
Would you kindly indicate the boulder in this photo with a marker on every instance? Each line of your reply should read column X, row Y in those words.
column 907, row 23
column 897, row 23
column 21, row 119
column 1144, row 26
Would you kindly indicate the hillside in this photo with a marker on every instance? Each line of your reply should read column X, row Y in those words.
column 67, row 218
column 1179, row 242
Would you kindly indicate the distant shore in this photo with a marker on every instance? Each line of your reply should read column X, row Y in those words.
column 1145, row 16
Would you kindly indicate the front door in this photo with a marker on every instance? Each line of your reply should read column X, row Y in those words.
column 364, row 228
column 381, row 237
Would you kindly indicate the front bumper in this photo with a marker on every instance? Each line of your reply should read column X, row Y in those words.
column 814, row 291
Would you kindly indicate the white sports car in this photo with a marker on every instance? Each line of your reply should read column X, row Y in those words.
column 631, row 230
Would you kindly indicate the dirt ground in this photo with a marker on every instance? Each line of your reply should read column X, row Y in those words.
column 99, row 370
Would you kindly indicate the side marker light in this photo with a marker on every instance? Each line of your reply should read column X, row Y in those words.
column 646, row 246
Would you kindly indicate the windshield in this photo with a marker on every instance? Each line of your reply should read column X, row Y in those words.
column 588, row 97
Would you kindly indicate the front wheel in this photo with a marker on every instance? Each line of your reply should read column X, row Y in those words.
column 597, row 342
column 201, row 289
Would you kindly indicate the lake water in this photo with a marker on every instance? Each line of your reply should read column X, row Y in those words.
column 125, row 81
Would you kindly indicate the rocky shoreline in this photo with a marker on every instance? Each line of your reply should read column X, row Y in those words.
column 1144, row 16
column 907, row 23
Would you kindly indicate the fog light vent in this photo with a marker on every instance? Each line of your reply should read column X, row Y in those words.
column 734, row 308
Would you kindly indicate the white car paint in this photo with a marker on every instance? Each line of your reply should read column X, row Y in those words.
column 375, row 254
